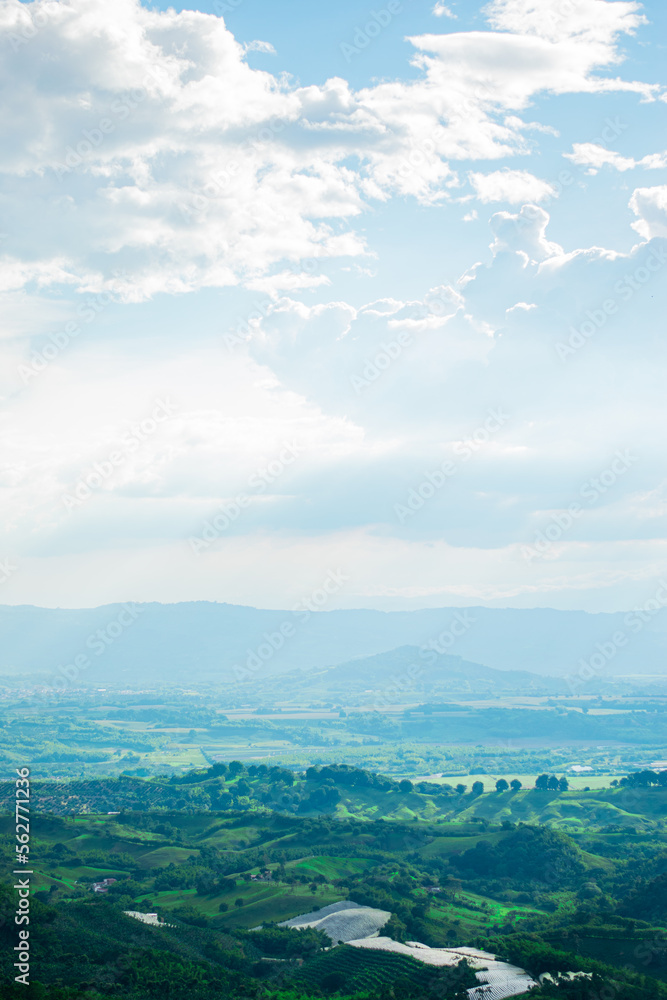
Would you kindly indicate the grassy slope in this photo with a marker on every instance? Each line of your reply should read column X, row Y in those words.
column 572, row 810
column 449, row 918
column 464, row 915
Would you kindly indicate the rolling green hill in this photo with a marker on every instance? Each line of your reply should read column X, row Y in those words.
column 348, row 792
column 224, row 850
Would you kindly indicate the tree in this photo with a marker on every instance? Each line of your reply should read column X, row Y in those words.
column 313, row 887
column 205, row 884
column 643, row 778
column 236, row 767
column 515, row 784
column 461, row 789
column 501, row 785
column 395, row 928
column 238, row 902
column 552, row 783
column 405, row 785
column 223, row 907
column 542, row 782
column 223, row 801
column 477, row 788
column 563, row 784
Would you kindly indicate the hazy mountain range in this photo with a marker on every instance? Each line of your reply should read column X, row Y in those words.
column 201, row 641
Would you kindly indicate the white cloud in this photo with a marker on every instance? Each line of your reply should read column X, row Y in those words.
column 515, row 186
column 509, row 69
column 441, row 10
column 259, row 46
column 287, row 281
column 524, row 233
column 593, row 22
column 650, row 204
column 594, row 156
column 149, row 146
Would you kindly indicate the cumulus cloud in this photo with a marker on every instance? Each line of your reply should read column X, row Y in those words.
column 515, row 186
column 525, row 233
column 145, row 152
column 650, row 204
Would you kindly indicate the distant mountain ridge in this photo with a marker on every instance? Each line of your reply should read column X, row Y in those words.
column 149, row 644
column 417, row 669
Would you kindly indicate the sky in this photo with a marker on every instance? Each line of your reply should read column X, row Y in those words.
column 311, row 292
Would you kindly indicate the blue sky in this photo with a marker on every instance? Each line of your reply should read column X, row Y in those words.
column 289, row 290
